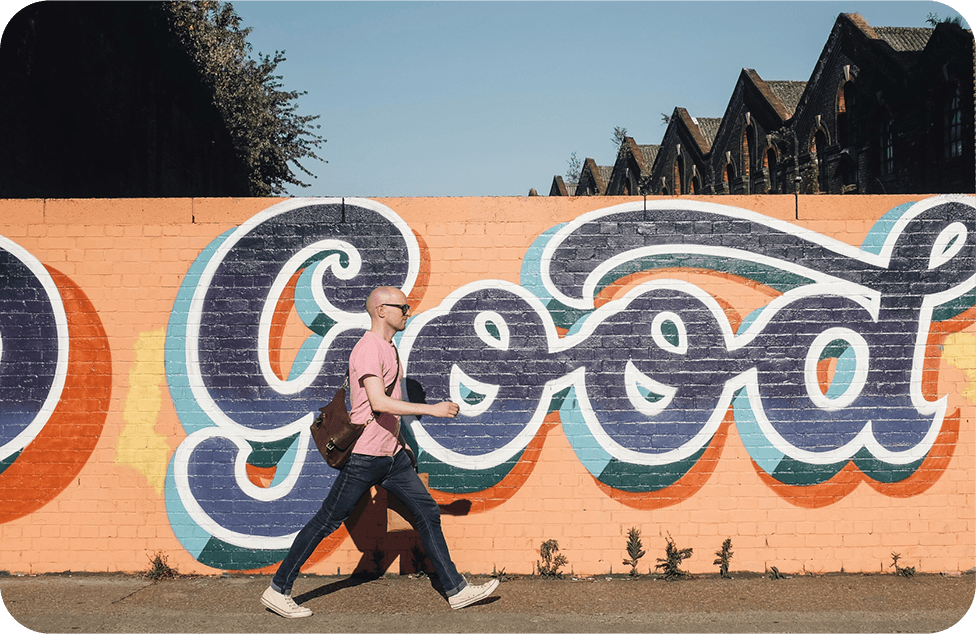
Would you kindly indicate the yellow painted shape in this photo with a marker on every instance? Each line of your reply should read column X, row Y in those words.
column 139, row 445
column 959, row 351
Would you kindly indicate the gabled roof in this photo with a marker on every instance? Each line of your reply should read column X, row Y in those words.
column 702, row 129
column 644, row 155
column 649, row 153
column 709, row 127
column 788, row 92
column 561, row 188
column 904, row 38
column 630, row 153
column 599, row 175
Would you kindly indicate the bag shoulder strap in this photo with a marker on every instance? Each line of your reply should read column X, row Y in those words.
column 396, row 377
column 389, row 388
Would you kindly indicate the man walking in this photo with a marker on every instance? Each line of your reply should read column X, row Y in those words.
column 379, row 457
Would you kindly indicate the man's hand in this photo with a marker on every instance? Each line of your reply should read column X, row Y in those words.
column 445, row 409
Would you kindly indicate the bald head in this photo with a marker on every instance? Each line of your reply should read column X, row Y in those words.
column 384, row 295
column 385, row 313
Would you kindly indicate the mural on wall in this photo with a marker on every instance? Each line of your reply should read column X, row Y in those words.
column 836, row 373
column 55, row 381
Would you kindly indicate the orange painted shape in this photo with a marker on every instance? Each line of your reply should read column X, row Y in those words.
column 826, row 369
column 260, row 476
column 423, row 275
column 55, row 457
column 279, row 321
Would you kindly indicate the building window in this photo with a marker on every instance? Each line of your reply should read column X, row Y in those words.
column 886, row 147
column 770, row 167
column 728, row 177
column 747, row 148
column 952, row 122
column 679, row 167
column 845, row 115
column 820, row 150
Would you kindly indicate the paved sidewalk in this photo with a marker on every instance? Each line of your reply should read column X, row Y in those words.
column 748, row 603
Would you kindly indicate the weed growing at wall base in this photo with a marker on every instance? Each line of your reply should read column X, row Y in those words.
column 670, row 565
column 552, row 560
column 723, row 557
column 159, row 568
column 635, row 550
column 904, row 572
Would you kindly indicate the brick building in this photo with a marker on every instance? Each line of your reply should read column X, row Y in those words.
column 886, row 110
column 593, row 179
column 632, row 166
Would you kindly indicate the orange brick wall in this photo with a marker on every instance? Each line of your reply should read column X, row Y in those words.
column 95, row 490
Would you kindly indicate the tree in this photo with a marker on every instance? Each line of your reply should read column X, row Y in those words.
column 619, row 135
column 262, row 119
column 933, row 20
column 575, row 169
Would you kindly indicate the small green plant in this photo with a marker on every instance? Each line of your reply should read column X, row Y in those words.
column 418, row 557
column 499, row 574
column 635, row 550
column 159, row 568
column 774, row 573
column 552, row 560
column 904, row 572
column 671, row 564
column 722, row 559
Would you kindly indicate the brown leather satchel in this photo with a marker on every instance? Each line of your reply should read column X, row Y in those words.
column 334, row 432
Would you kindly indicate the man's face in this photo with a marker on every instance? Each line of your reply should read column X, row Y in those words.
column 392, row 311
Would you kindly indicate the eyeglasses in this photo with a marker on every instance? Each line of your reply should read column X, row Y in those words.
column 403, row 307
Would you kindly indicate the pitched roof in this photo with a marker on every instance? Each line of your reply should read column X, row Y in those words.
column 904, row 38
column 561, row 188
column 709, row 128
column 788, row 92
column 649, row 154
column 599, row 174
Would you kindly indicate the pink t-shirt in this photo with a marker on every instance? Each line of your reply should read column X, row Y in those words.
column 373, row 356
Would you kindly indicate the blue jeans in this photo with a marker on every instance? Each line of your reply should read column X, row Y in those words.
column 395, row 474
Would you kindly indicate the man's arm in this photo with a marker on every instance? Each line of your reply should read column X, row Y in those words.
column 380, row 402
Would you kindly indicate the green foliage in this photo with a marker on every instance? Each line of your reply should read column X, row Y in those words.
column 619, row 136
column 904, row 572
column 552, row 560
column 635, row 550
column 499, row 574
column 575, row 168
column 267, row 132
column 774, row 573
column 159, row 568
column 670, row 565
column 722, row 558
column 933, row 20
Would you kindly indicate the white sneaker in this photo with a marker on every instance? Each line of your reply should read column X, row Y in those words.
column 472, row 594
column 283, row 604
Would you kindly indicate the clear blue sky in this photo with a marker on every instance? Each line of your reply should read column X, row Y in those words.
column 491, row 98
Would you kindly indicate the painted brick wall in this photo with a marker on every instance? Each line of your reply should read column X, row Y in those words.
column 798, row 376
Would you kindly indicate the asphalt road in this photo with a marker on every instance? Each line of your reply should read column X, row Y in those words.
column 747, row 603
